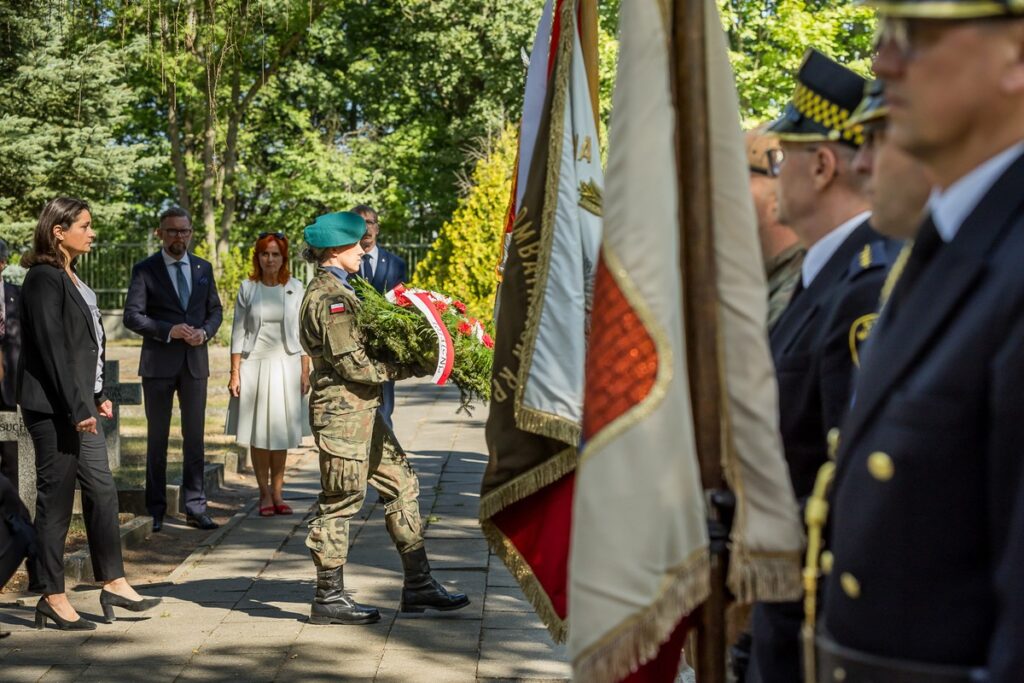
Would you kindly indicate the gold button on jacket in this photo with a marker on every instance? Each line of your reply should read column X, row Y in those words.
column 850, row 584
column 880, row 466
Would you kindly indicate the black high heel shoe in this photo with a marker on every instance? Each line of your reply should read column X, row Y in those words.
column 108, row 601
column 44, row 612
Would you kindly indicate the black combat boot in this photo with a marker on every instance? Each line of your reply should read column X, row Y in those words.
column 332, row 605
column 421, row 591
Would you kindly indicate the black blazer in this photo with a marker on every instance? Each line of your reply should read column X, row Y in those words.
column 57, row 368
column 928, row 500
column 11, row 346
column 390, row 271
column 816, row 343
column 151, row 309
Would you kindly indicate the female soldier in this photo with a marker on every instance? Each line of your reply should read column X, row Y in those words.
column 356, row 447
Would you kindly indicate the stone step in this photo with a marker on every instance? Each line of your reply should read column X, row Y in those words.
column 134, row 500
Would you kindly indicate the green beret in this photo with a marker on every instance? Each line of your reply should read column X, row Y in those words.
column 335, row 230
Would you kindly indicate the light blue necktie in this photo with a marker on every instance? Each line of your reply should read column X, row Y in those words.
column 183, row 292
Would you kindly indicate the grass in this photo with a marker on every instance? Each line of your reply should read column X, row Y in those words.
column 132, row 472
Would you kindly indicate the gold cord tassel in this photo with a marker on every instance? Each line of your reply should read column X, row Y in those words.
column 815, row 515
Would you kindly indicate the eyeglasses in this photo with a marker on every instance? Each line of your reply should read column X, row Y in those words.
column 278, row 235
column 369, row 222
column 171, row 232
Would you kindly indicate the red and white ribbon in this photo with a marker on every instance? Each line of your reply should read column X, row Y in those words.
column 424, row 300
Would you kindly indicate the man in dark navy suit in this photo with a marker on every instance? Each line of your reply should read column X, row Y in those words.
column 384, row 270
column 172, row 302
column 925, row 581
column 816, row 341
column 10, row 347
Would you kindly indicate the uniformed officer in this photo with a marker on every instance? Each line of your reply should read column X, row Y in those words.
column 898, row 184
column 926, row 581
column 816, row 342
column 780, row 247
column 356, row 447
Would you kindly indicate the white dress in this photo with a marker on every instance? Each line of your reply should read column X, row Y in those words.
column 271, row 411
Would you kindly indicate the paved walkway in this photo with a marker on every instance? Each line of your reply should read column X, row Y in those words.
column 237, row 609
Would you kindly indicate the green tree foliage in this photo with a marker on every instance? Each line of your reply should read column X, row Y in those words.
column 464, row 256
column 64, row 113
column 767, row 39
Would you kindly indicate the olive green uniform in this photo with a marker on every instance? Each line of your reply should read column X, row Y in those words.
column 355, row 446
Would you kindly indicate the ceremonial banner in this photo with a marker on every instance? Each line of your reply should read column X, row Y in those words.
column 538, row 74
column 639, row 561
column 543, row 311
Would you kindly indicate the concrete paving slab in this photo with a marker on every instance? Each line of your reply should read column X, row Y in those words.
column 436, row 635
column 401, row 666
column 506, row 599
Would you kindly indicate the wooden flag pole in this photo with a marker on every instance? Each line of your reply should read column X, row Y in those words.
column 697, row 262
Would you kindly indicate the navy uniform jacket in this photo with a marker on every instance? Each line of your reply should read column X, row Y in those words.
column 390, row 270
column 10, row 345
column 151, row 309
column 927, row 520
column 815, row 345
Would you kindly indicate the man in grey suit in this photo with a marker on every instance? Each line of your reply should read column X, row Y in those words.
column 383, row 269
column 172, row 302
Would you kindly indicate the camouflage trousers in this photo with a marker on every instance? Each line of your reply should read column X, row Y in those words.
column 355, row 450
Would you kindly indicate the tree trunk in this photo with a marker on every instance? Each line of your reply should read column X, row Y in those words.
column 177, row 152
column 210, row 177
column 229, row 192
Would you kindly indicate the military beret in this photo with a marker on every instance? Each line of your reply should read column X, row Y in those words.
column 873, row 107
column 825, row 95
column 335, row 230
column 947, row 9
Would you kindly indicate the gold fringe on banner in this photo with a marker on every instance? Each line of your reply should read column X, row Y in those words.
column 531, row 587
column 637, row 640
column 764, row 577
column 527, row 483
column 547, row 424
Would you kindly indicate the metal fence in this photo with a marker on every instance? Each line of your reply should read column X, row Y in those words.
column 108, row 267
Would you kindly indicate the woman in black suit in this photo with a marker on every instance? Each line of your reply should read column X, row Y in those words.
column 60, row 391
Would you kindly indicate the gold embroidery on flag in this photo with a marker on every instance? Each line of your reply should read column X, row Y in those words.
column 591, row 197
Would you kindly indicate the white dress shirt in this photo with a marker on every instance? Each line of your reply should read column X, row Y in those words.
column 951, row 208
column 172, row 270
column 821, row 251
column 372, row 254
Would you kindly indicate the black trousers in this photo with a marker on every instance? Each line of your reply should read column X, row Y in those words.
column 64, row 456
column 158, row 395
column 776, row 652
column 9, row 460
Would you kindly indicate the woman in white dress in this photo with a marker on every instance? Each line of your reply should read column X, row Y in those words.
column 269, row 371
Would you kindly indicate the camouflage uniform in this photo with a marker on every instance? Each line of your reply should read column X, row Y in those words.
column 783, row 273
column 356, row 448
